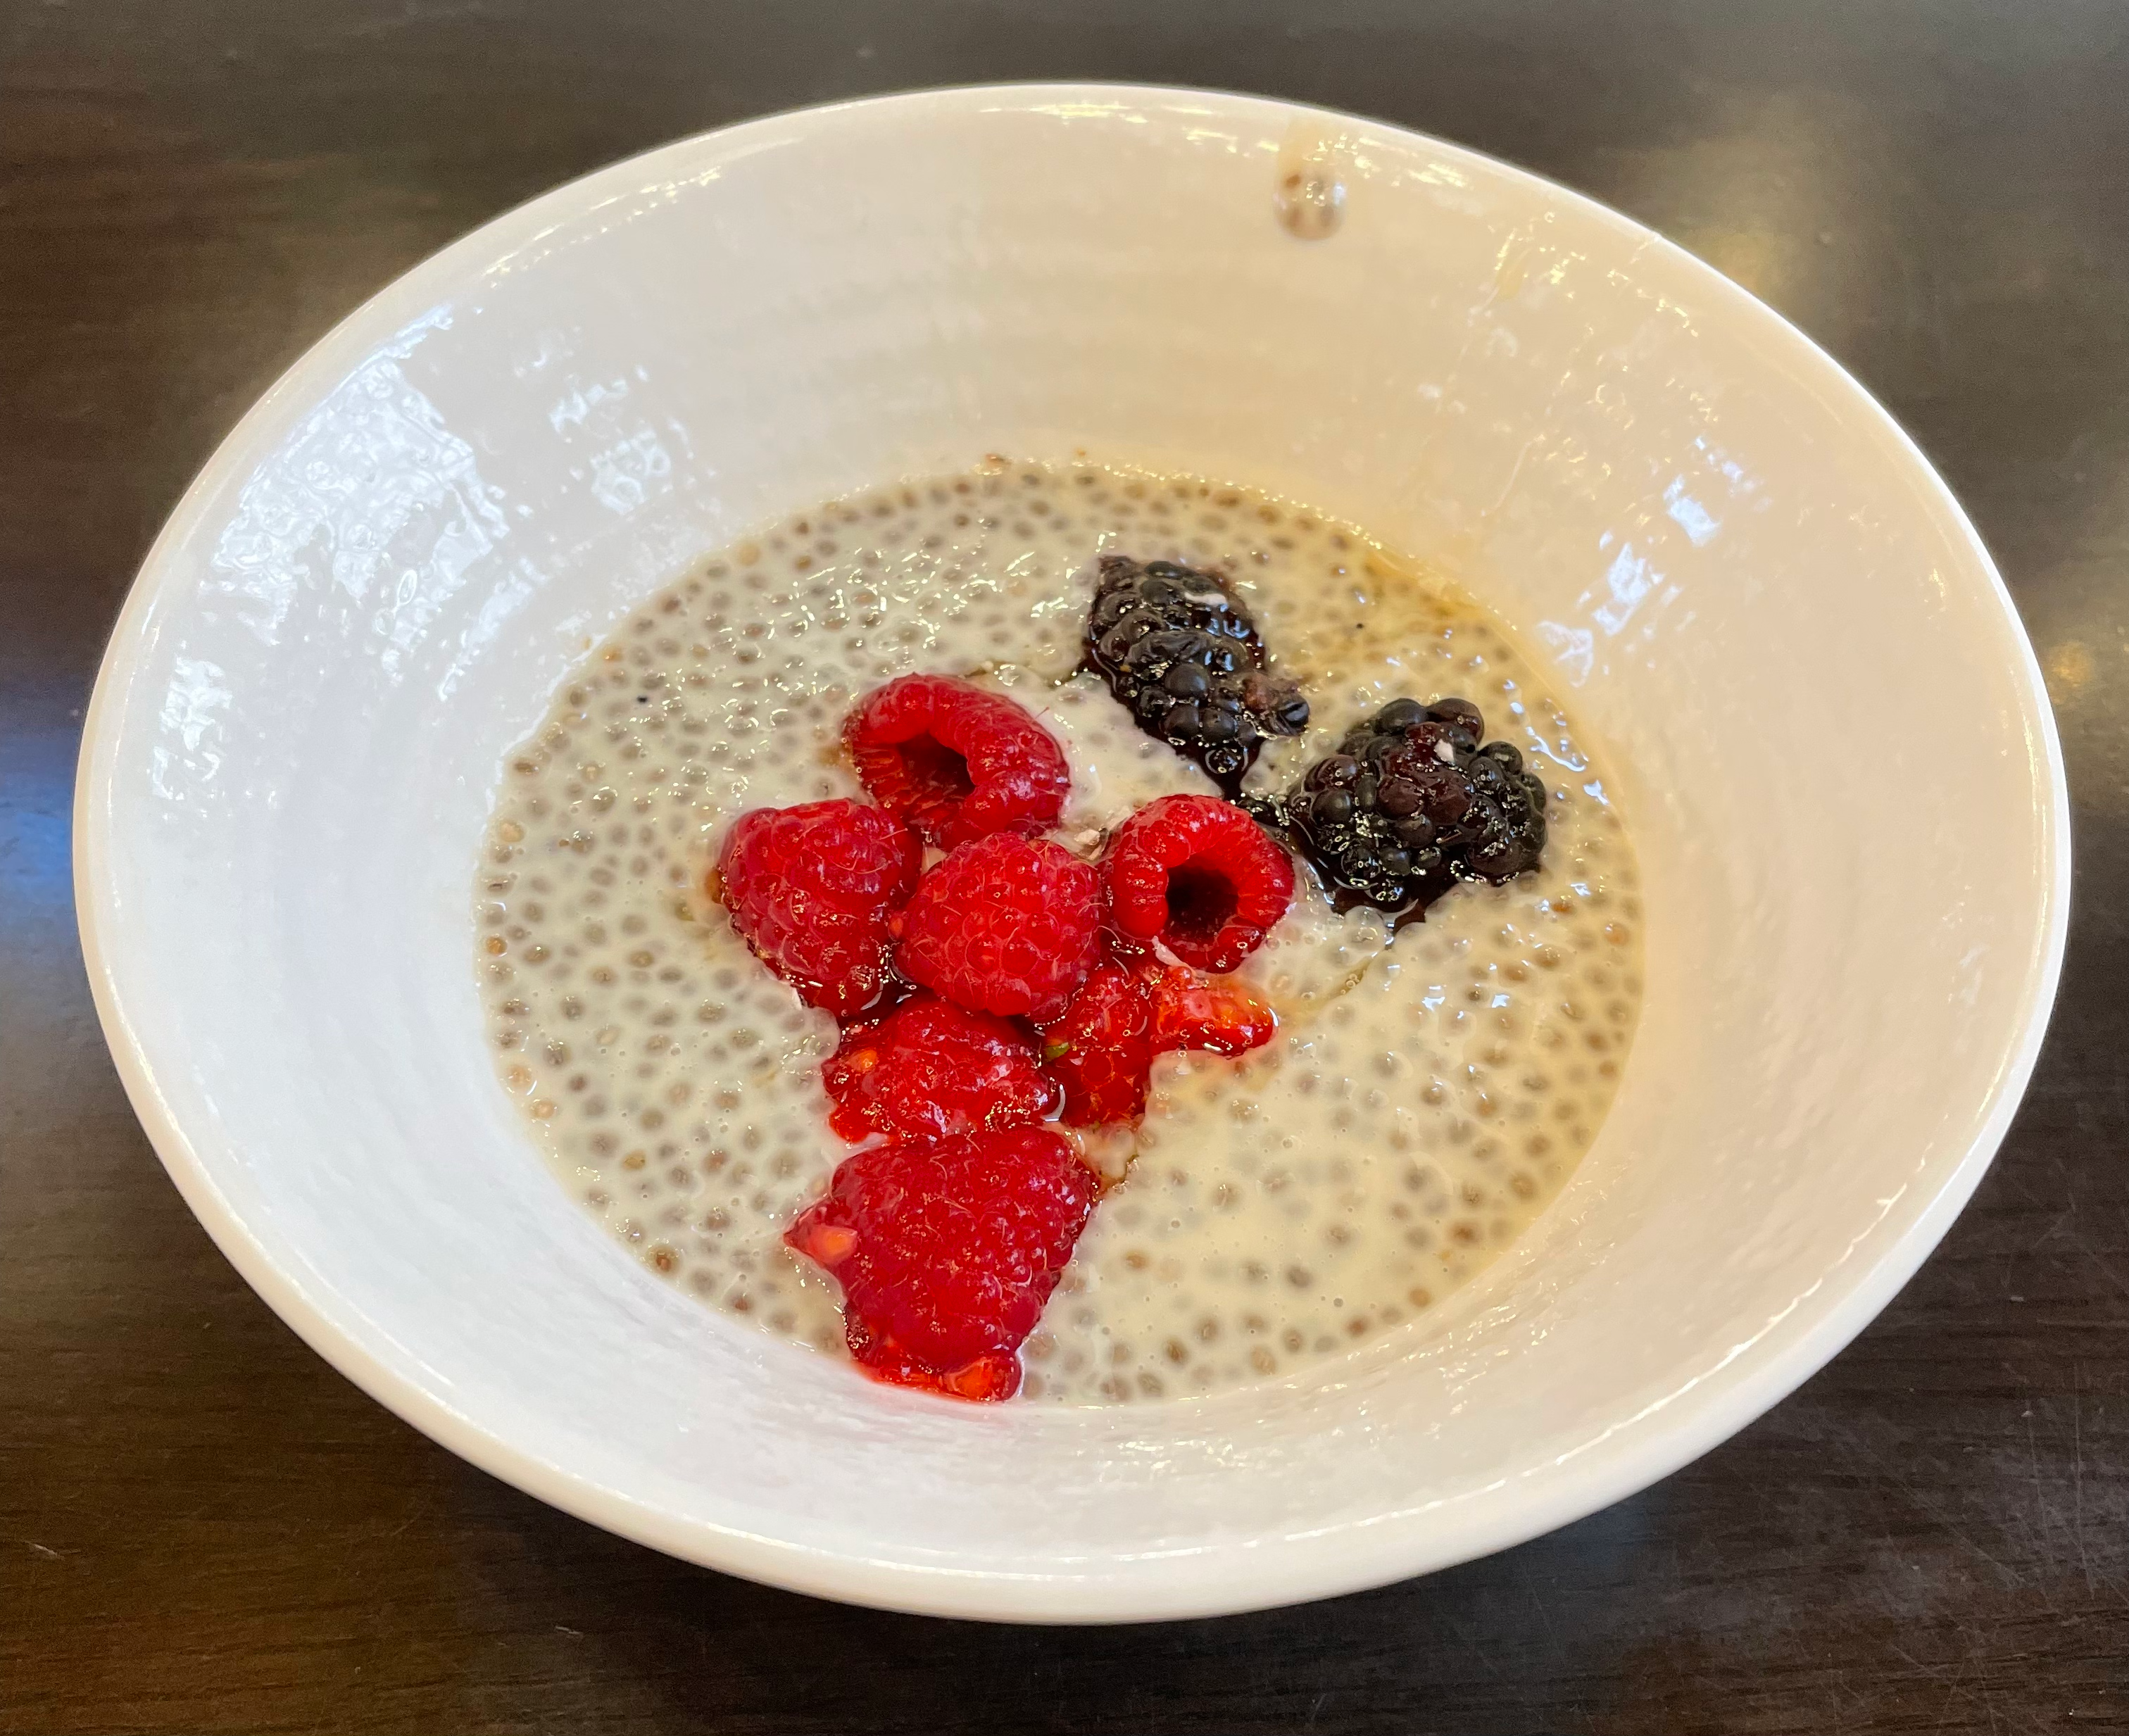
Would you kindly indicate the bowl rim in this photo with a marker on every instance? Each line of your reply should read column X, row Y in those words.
column 1267, row 1573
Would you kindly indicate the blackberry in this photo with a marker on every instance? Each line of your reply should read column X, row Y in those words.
column 1179, row 649
column 1410, row 803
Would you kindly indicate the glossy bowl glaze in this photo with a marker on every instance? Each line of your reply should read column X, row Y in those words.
column 1837, row 761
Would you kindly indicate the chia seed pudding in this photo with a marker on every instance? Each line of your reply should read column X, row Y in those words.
column 1432, row 1083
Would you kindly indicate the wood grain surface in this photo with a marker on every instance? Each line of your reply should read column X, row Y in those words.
column 203, row 1528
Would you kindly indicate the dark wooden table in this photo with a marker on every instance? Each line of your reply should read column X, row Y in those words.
column 203, row 1528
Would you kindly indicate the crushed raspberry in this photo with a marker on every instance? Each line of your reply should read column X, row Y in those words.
column 811, row 888
column 1100, row 1047
column 1003, row 925
column 957, row 763
column 946, row 1251
column 930, row 1069
column 1199, row 876
column 1195, row 1012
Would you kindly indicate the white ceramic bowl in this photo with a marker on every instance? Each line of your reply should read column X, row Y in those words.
column 1838, row 764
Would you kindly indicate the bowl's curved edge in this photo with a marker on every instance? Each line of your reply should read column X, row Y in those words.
column 1156, row 1587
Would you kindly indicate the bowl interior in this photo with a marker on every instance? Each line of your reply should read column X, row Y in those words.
column 1834, row 759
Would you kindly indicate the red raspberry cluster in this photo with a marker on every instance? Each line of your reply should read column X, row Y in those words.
column 1008, row 986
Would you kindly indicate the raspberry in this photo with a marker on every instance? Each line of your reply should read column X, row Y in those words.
column 946, row 1251
column 1411, row 804
column 955, row 762
column 811, row 887
column 1100, row 1047
column 1199, row 875
column 1003, row 925
column 1190, row 1011
column 930, row 1069
column 1179, row 648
